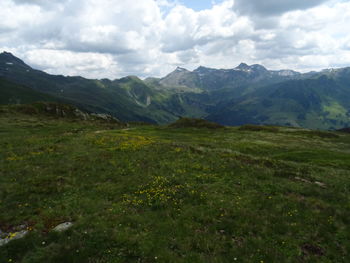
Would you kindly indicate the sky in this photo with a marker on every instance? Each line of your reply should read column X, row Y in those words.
column 198, row 5
column 115, row 38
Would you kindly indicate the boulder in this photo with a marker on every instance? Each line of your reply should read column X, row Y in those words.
column 13, row 236
column 63, row 227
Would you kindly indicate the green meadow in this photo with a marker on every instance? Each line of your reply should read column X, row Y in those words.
column 148, row 193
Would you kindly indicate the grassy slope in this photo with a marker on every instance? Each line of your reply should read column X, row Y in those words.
column 12, row 93
column 156, row 194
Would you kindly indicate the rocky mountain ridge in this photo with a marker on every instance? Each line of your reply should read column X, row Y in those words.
column 244, row 94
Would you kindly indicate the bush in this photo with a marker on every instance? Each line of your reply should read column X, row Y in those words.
column 251, row 127
column 347, row 130
column 195, row 123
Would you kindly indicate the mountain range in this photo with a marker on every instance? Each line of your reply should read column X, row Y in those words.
column 245, row 94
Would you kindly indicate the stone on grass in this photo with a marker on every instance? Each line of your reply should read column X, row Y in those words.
column 63, row 227
column 13, row 236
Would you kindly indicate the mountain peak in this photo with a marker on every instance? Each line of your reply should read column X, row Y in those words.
column 258, row 67
column 7, row 55
column 255, row 68
column 200, row 68
column 9, row 59
column 179, row 69
column 243, row 66
column 203, row 69
column 130, row 78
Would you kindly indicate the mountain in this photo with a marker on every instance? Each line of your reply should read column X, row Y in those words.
column 321, row 103
column 210, row 79
column 127, row 99
column 244, row 94
column 253, row 94
column 181, row 79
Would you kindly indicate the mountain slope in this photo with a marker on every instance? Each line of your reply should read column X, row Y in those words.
column 181, row 80
column 245, row 94
column 128, row 99
column 210, row 79
column 12, row 93
column 320, row 103
column 104, row 96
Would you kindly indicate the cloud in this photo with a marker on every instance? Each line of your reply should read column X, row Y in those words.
column 71, row 63
column 114, row 38
column 187, row 28
column 43, row 4
column 273, row 7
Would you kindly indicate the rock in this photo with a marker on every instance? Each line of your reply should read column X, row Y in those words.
column 13, row 236
column 323, row 185
column 302, row 180
column 100, row 116
column 63, row 227
column 20, row 227
column 20, row 234
column 98, row 132
column 104, row 117
column 78, row 113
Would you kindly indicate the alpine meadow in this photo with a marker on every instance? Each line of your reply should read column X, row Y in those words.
column 174, row 131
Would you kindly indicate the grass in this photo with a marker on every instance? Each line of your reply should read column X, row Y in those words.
column 334, row 110
column 159, row 194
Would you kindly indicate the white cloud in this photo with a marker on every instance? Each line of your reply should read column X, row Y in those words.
column 114, row 38
column 187, row 28
column 72, row 63
column 15, row 16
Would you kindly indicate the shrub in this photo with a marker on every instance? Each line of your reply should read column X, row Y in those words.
column 195, row 123
column 347, row 130
column 251, row 127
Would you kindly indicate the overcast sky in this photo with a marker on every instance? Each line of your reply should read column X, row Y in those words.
column 115, row 38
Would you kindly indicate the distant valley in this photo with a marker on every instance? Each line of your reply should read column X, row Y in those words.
column 245, row 94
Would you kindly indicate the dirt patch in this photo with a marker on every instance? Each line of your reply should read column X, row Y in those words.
column 309, row 249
